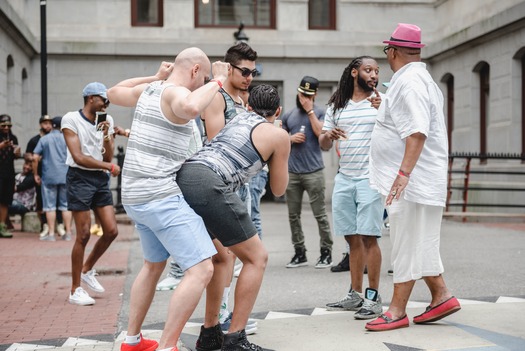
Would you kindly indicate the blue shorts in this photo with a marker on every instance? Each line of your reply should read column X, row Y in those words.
column 50, row 194
column 87, row 189
column 169, row 227
column 223, row 211
column 356, row 208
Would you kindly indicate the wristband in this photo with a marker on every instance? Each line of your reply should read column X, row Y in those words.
column 311, row 111
column 404, row 174
column 112, row 168
column 217, row 81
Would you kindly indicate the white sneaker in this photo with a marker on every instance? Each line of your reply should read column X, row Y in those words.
column 45, row 230
column 91, row 281
column 81, row 297
column 169, row 283
column 237, row 269
column 61, row 230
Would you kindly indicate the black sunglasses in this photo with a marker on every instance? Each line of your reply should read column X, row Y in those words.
column 106, row 101
column 245, row 72
column 385, row 49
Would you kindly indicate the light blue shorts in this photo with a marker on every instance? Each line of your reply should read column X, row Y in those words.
column 50, row 194
column 356, row 208
column 169, row 227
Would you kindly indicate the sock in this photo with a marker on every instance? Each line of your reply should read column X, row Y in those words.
column 132, row 339
column 223, row 312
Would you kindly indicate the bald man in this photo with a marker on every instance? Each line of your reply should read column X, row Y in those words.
column 160, row 136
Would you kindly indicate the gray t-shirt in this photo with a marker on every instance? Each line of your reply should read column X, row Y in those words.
column 305, row 157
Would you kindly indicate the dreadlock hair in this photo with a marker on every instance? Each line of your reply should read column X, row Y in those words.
column 345, row 88
column 264, row 100
column 239, row 52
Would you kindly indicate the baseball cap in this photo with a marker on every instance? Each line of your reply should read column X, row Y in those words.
column 5, row 120
column 56, row 122
column 44, row 118
column 95, row 88
column 308, row 85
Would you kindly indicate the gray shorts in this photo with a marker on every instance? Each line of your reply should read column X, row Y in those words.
column 225, row 215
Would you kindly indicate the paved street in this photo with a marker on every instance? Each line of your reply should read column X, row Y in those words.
column 484, row 267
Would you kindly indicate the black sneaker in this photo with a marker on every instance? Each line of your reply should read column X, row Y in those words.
column 299, row 259
column 325, row 260
column 210, row 339
column 238, row 342
column 343, row 266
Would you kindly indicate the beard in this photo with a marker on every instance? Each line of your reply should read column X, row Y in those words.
column 363, row 84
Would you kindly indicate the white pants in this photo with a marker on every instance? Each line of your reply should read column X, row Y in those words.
column 415, row 234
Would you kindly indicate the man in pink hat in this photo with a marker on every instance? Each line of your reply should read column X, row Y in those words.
column 408, row 165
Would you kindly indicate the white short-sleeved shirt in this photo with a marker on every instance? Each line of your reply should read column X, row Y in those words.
column 91, row 139
column 357, row 119
column 413, row 104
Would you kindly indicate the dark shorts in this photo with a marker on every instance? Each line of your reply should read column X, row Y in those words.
column 225, row 215
column 7, row 189
column 87, row 189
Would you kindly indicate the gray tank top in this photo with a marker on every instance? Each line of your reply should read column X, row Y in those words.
column 231, row 154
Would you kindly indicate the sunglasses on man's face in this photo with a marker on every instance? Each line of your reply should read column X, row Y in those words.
column 104, row 100
column 245, row 72
column 386, row 48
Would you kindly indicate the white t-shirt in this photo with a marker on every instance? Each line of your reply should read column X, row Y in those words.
column 357, row 119
column 91, row 139
column 413, row 104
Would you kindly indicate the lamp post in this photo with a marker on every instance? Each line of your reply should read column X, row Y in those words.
column 43, row 58
column 240, row 36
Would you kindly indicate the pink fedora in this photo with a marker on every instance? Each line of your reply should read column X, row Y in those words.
column 406, row 35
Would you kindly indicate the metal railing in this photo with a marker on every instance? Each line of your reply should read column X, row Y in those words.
column 464, row 186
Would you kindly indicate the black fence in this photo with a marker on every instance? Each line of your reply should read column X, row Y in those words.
column 514, row 168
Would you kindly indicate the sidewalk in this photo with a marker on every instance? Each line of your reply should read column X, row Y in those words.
column 36, row 280
column 35, row 313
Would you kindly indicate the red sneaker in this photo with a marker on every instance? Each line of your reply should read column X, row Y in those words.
column 143, row 345
column 435, row 313
column 385, row 322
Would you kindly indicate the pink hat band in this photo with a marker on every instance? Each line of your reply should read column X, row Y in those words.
column 406, row 35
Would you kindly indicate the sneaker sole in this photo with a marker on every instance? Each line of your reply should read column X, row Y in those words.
column 78, row 303
column 166, row 288
column 323, row 266
column 364, row 316
column 304, row 264
column 342, row 309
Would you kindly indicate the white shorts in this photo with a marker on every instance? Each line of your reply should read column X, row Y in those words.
column 415, row 234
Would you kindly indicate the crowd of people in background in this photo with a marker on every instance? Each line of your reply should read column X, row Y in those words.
column 202, row 146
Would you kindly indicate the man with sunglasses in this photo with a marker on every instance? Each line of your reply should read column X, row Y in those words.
column 9, row 151
column 223, row 108
column 89, row 156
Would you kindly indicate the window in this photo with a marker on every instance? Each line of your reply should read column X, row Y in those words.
column 448, row 79
column 321, row 14
column 147, row 13
column 483, row 70
column 519, row 57
column 230, row 13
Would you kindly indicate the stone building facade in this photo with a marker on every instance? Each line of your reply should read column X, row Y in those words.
column 475, row 49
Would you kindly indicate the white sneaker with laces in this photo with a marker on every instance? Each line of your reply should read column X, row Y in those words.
column 91, row 281
column 169, row 283
column 81, row 297
column 45, row 230
column 61, row 230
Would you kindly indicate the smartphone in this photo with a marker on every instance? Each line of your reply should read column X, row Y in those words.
column 101, row 117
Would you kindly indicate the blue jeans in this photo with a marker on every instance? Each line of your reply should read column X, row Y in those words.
column 257, row 188
column 314, row 184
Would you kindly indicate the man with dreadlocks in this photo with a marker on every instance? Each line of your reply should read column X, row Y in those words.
column 209, row 180
column 357, row 209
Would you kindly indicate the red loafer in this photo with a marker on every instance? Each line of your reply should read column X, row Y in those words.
column 435, row 313
column 385, row 322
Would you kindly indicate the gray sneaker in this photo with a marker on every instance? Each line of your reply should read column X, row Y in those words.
column 351, row 302
column 48, row 237
column 372, row 305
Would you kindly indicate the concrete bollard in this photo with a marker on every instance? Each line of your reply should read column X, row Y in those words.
column 31, row 223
